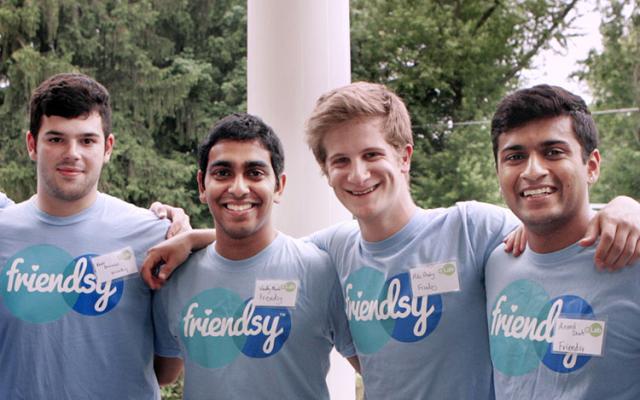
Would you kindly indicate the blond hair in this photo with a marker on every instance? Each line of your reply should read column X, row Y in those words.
column 358, row 100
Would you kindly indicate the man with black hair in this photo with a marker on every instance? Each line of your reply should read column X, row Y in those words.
column 256, row 313
column 558, row 328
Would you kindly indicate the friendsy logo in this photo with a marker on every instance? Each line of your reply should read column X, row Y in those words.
column 522, row 328
column 217, row 325
column 42, row 283
column 379, row 310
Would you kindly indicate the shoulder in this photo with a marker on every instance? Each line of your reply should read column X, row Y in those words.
column 336, row 235
column 306, row 253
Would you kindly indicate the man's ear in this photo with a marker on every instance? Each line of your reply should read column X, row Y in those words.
column 593, row 167
column 405, row 158
column 32, row 143
column 202, row 195
column 282, row 180
column 109, row 142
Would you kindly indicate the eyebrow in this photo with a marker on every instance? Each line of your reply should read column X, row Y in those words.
column 247, row 164
column 56, row 133
column 546, row 143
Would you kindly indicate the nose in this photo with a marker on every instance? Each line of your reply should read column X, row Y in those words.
column 535, row 168
column 71, row 150
column 359, row 172
column 239, row 186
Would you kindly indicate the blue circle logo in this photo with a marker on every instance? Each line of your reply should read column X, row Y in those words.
column 217, row 326
column 379, row 310
column 42, row 283
column 521, row 328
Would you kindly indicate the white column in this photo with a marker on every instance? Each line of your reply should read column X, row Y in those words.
column 297, row 50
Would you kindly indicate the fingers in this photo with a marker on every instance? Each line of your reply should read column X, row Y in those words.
column 509, row 241
column 179, row 221
column 159, row 209
column 591, row 235
column 516, row 241
column 149, row 265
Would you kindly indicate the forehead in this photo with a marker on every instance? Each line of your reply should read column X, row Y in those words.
column 239, row 152
column 540, row 132
column 82, row 125
column 355, row 135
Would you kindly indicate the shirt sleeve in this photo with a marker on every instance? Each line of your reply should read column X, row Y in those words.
column 338, row 321
column 487, row 226
column 165, row 343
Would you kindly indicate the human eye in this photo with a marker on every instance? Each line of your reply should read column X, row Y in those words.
column 220, row 173
column 554, row 152
column 54, row 139
column 514, row 157
column 255, row 173
column 89, row 141
column 339, row 161
column 373, row 155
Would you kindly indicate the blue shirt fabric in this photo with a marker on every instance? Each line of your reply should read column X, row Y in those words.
column 420, row 347
column 526, row 295
column 63, row 333
column 234, row 349
column 4, row 200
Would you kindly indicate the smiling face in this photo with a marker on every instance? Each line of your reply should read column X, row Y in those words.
column 543, row 177
column 368, row 175
column 240, row 187
column 69, row 153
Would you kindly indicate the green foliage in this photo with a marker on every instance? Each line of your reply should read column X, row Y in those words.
column 451, row 61
column 172, row 67
column 173, row 392
column 614, row 76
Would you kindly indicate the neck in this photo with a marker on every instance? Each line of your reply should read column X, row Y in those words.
column 557, row 235
column 381, row 227
column 243, row 248
column 64, row 208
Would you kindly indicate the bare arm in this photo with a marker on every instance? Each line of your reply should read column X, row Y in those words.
column 167, row 369
column 168, row 255
column 355, row 363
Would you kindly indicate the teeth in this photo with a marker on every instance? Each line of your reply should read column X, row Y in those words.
column 364, row 191
column 239, row 207
column 533, row 192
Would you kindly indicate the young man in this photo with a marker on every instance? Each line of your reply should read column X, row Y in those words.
column 4, row 200
column 559, row 329
column 412, row 279
column 75, row 318
column 256, row 313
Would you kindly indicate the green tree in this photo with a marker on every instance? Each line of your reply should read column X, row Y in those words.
column 452, row 61
column 614, row 77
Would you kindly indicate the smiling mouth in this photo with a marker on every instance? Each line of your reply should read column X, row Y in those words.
column 363, row 192
column 239, row 207
column 539, row 192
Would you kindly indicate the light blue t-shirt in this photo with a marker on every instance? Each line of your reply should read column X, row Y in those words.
column 420, row 346
column 64, row 334
column 237, row 347
column 525, row 298
column 4, row 200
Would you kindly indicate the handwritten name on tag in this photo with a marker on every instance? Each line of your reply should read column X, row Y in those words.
column 578, row 336
column 276, row 293
column 434, row 279
column 115, row 265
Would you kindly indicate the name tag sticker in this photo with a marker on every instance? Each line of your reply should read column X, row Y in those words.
column 578, row 336
column 435, row 278
column 115, row 265
column 276, row 293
